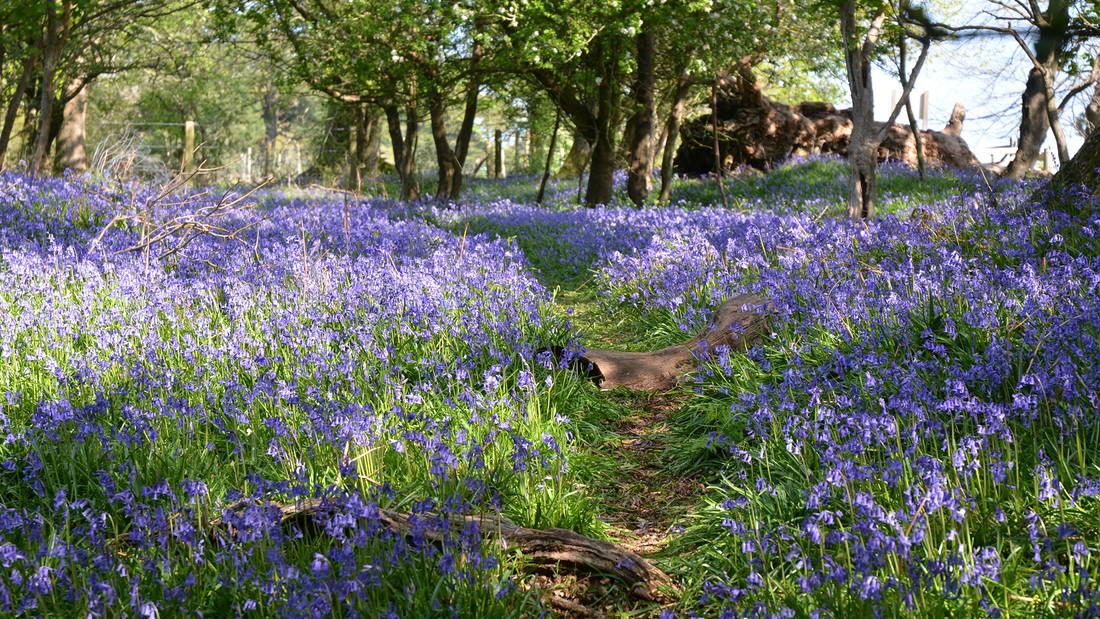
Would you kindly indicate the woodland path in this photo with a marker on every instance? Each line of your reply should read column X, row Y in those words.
column 643, row 502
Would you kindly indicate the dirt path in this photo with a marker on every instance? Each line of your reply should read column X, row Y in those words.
column 644, row 501
column 641, row 501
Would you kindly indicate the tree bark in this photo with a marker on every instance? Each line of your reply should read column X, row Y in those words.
column 672, row 133
column 719, row 172
column 374, row 143
column 866, row 138
column 450, row 168
column 13, row 108
column 362, row 135
column 72, row 154
column 498, row 155
column 1092, row 112
column 1038, row 112
column 404, row 149
column 737, row 324
column 601, row 173
column 1034, row 123
column 637, row 186
column 921, row 166
column 271, row 128
column 862, row 152
column 480, row 162
column 574, row 163
column 549, row 158
column 473, row 88
column 1079, row 172
column 51, row 57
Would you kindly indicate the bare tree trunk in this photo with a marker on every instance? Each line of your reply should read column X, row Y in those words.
column 1052, row 118
column 672, row 134
column 601, row 173
column 1034, row 123
column 719, row 173
column 638, row 181
column 480, row 162
column 1083, row 170
column 574, row 163
column 917, row 140
column 71, row 151
column 863, row 151
column 466, row 131
column 271, row 126
column 404, row 149
column 1039, row 112
column 549, row 158
column 13, row 109
column 362, row 135
column 374, row 143
column 51, row 56
column 1092, row 111
column 450, row 168
column 498, row 155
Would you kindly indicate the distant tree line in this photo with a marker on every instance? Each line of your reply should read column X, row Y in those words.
column 616, row 78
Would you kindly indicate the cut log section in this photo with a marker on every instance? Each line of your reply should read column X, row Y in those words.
column 737, row 324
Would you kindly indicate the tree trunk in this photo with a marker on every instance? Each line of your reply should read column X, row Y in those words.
column 637, row 186
column 466, row 131
column 863, row 150
column 560, row 548
column 498, row 155
column 51, row 57
column 13, row 108
column 719, row 172
column 549, row 158
column 601, row 174
column 480, row 162
column 370, row 159
column 1052, row 118
column 1092, row 112
column 450, row 168
column 1034, row 123
column 1083, row 170
column 404, row 148
column 601, row 166
column 917, row 142
column 863, row 178
column 672, row 134
column 271, row 126
column 574, row 163
column 71, row 151
column 1039, row 111
column 362, row 136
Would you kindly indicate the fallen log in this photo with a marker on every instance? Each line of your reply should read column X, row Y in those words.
column 737, row 324
column 542, row 548
column 759, row 132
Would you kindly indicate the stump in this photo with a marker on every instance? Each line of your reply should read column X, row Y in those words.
column 737, row 324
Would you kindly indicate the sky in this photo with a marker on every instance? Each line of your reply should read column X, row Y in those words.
column 987, row 75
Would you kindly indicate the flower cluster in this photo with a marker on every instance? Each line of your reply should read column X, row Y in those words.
column 344, row 351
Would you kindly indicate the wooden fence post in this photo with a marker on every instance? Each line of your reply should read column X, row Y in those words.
column 924, row 110
column 188, row 147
